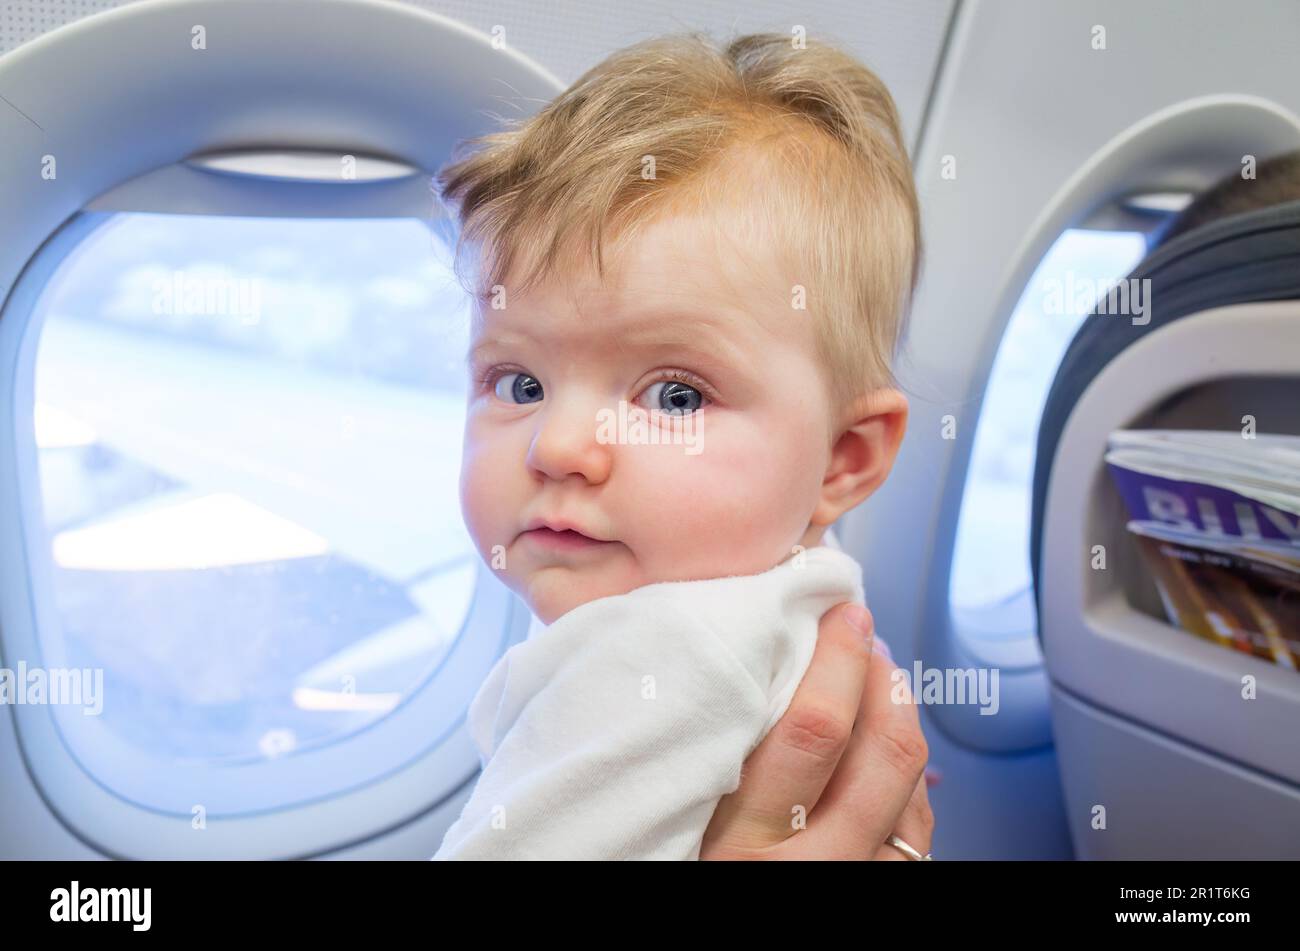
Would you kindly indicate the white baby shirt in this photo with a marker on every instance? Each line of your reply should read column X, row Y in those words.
column 613, row 732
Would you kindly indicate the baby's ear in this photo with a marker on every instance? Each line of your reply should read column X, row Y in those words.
column 863, row 454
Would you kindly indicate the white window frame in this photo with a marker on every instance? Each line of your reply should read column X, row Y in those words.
column 385, row 81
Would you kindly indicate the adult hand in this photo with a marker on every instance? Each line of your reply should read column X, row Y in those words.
column 842, row 769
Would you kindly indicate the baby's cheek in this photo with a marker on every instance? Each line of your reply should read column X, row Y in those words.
column 732, row 506
column 482, row 496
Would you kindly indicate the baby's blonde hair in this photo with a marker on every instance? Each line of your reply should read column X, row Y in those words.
column 814, row 135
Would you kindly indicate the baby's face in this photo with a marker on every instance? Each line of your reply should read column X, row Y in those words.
column 684, row 323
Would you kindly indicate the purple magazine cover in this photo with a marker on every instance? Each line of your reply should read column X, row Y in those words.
column 1197, row 507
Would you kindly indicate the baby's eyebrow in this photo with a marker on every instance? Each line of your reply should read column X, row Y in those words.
column 689, row 335
column 501, row 339
column 713, row 350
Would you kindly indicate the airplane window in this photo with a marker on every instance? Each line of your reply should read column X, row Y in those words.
column 990, row 587
column 248, row 434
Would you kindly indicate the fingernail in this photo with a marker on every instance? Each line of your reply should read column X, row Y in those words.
column 860, row 618
column 879, row 645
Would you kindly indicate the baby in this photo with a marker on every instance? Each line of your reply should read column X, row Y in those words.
column 691, row 271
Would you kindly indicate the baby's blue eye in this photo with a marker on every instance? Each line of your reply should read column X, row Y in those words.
column 674, row 397
column 522, row 388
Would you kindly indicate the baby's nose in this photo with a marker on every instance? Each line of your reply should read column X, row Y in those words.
column 567, row 442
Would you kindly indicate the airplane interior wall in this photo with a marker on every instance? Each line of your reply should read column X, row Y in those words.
column 1029, row 122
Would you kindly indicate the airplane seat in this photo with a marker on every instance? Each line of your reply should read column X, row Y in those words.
column 1162, row 754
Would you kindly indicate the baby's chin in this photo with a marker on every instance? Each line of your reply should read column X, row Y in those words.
column 552, row 593
column 550, row 607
